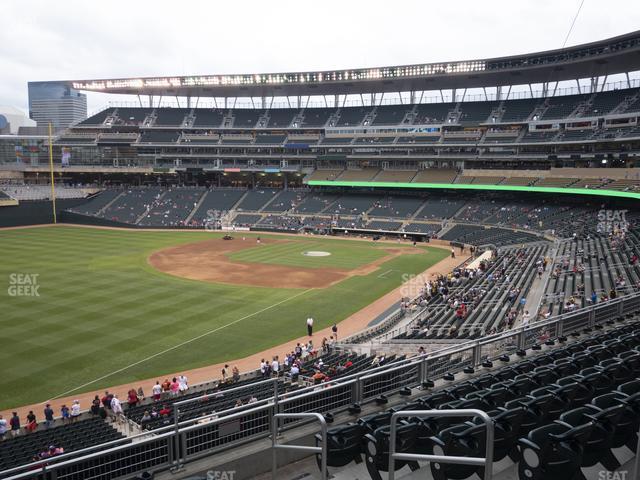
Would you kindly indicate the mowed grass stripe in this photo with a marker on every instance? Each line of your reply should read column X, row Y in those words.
column 347, row 255
column 103, row 307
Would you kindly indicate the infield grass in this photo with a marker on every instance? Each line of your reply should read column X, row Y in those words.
column 102, row 307
column 345, row 254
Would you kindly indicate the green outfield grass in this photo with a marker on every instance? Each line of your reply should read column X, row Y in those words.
column 344, row 254
column 102, row 308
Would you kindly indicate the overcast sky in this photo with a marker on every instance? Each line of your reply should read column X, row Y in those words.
column 81, row 39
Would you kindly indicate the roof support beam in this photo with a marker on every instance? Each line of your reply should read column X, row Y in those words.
column 578, row 84
column 604, row 82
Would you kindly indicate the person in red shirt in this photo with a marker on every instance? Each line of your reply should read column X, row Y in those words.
column 166, row 385
column 318, row 377
column 132, row 398
column 348, row 364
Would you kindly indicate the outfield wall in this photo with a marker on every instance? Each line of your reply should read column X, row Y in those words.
column 36, row 212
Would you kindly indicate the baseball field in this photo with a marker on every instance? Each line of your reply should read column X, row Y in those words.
column 82, row 308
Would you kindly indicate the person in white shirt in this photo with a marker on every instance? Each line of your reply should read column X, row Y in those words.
column 310, row 326
column 75, row 410
column 183, row 384
column 116, row 407
column 3, row 428
column 157, row 391
column 275, row 366
column 526, row 317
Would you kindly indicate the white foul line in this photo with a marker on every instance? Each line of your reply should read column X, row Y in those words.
column 177, row 346
column 382, row 275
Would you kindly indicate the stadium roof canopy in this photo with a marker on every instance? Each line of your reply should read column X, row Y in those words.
column 605, row 57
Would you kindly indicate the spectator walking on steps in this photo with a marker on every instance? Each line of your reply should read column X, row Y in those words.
column 334, row 330
column 310, row 326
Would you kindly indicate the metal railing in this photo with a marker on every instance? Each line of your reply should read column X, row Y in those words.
column 173, row 446
column 486, row 462
column 275, row 446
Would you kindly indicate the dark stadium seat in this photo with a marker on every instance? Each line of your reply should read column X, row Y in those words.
column 597, row 448
column 344, row 445
column 553, row 452
column 377, row 448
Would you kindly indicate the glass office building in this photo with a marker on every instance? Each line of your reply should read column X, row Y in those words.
column 57, row 103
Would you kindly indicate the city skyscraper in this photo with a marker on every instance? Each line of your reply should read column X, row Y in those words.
column 57, row 103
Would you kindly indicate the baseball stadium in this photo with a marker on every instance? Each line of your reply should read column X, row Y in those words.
column 400, row 272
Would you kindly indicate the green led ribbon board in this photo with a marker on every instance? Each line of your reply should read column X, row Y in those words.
column 462, row 186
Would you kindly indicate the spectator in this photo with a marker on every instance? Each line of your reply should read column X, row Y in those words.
column 48, row 416
column 236, row 374
column 132, row 398
column 32, row 424
column 106, row 400
column 275, row 366
column 157, row 391
column 166, row 386
column 183, row 383
column 75, row 410
column 3, row 428
column 14, row 422
column 116, row 408
column 146, row 418
column 165, row 411
column 140, row 394
column 95, row 405
column 334, row 330
column 64, row 413
column 175, row 387
column 224, row 373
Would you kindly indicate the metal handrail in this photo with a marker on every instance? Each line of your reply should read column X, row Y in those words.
column 321, row 450
column 487, row 461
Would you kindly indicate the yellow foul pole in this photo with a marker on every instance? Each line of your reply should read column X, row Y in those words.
column 53, row 189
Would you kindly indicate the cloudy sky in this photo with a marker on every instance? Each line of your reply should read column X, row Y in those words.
column 76, row 39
